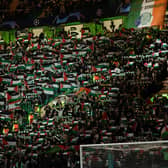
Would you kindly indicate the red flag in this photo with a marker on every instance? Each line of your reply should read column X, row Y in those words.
column 82, row 31
column 53, row 79
column 132, row 29
column 123, row 29
column 61, row 147
column 41, row 61
column 104, row 116
column 103, row 77
column 38, row 46
column 11, row 116
column 91, row 46
column 82, row 59
column 75, row 128
column 94, row 38
column 66, row 126
column 63, row 40
column 4, row 142
column 26, row 59
column 35, row 91
column 8, row 96
column 61, row 61
column 94, row 69
column 131, row 52
column 32, row 61
column 166, row 127
column 76, row 147
column 44, row 57
column 61, row 85
column 16, row 89
column 75, row 47
column 82, row 105
column 42, row 68
column 110, row 73
column 61, row 56
column 1, row 79
column 29, row 36
column 65, row 77
column 25, row 83
column 9, row 67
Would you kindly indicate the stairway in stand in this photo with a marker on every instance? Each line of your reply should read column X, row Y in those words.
column 164, row 90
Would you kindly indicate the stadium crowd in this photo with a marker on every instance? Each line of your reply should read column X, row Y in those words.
column 57, row 94
column 32, row 9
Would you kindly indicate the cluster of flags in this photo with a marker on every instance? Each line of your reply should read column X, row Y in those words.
column 55, row 67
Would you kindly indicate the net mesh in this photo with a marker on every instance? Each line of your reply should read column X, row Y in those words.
column 125, row 155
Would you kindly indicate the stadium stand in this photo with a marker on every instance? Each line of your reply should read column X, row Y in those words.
column 57, row 94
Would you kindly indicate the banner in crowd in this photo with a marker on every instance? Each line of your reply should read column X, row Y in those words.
column 146, row 13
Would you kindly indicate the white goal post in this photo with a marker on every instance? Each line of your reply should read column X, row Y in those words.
column 110, row 154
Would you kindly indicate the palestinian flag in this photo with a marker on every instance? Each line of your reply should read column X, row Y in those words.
column 65, row 86
column 6, row 81
column 114, row 89
column 49, row 91
column 34, row 46
column 55, row 86
column 14, row 106
column 156, row 65
column 5, row 62
column 11, row 97
column 102, row 96
column 148, row 65
column 151, row 46
column 40, row 140
column 47, row 67
column 57, row 65
column 30, row 76
column 11, row 89
column 29, row 66
column 155, row 54
column 58, row 80
column 74, row 140
column 112, row 128
column 16, row 82
column 95, row 93
column 164, row 45
column 84, row 83
column 130, row 63
column 132, row 56
column 13, row 68
column 20, row 77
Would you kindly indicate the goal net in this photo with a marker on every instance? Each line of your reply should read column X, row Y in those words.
column 125, row 155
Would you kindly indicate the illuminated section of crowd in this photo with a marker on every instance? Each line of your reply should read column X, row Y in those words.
column 57, row 94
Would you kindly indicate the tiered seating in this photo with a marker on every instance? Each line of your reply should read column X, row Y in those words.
column 104, row 80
